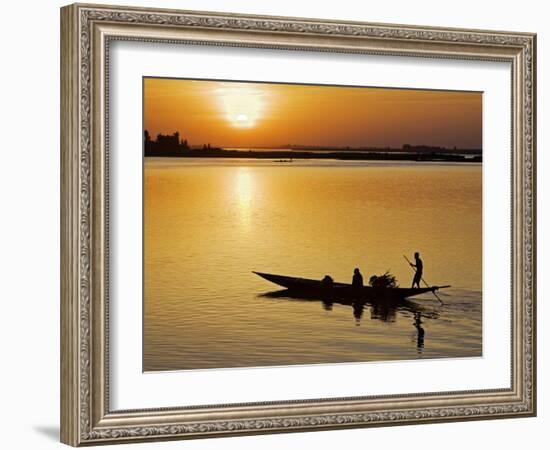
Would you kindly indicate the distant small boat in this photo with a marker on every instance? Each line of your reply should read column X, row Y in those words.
column 317, row 288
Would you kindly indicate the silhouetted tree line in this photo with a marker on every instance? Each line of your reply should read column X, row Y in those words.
column 174, row 145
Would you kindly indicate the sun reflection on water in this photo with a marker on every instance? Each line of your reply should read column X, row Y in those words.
column 244, row 186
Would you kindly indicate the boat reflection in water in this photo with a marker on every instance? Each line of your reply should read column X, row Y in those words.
column 419, row 332
column 379, row 310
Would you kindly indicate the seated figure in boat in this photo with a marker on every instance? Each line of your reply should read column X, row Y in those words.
column 327, row 281
column 357, row 281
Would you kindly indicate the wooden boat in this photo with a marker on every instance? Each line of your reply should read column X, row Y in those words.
column 316, row 288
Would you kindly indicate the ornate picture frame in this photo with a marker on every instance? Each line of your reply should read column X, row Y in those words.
column 87, row 32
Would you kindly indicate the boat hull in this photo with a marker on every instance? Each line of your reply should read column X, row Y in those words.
column 315, row 288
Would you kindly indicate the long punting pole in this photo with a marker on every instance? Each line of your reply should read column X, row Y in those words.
column 423, row 281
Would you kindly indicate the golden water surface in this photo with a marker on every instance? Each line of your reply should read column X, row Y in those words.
column 209, row 222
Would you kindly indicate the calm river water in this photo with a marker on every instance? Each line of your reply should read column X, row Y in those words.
column 208, row 223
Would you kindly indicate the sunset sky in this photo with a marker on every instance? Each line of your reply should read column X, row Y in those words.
column 238, row 114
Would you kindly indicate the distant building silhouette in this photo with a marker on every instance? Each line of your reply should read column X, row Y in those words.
column 165, row 145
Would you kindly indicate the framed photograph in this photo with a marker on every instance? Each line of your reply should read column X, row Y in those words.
column 275, row 224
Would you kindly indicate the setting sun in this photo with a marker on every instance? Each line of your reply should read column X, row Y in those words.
column 243, row 105
column 242, row 119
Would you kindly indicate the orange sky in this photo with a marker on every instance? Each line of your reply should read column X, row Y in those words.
column 236, row 114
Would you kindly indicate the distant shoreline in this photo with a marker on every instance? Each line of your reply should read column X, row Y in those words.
column 288, row 155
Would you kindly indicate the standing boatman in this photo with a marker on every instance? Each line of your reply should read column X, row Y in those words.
column 419, row 267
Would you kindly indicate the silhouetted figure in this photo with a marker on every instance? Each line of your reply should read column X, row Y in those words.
column 419, row 268
column 327, row 281
column 357, row 282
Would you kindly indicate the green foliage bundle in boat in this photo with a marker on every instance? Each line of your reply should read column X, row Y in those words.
column 383, row 281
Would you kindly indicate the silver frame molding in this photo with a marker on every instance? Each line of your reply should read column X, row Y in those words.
column 86, row 32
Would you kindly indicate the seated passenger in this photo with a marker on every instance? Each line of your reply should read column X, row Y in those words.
column 327, row 281
column 357, row 281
